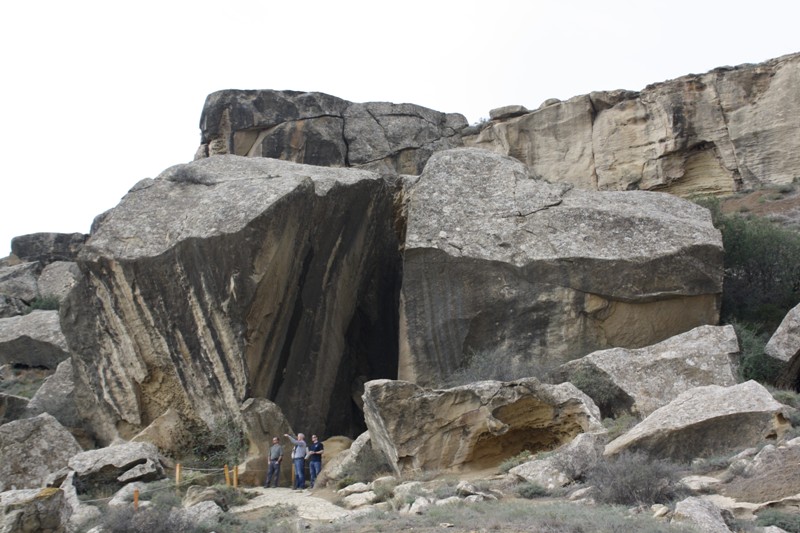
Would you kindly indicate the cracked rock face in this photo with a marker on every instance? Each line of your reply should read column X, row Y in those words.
column 784, row 348
column 319, row 129
column 230, row 278
column 713, row 133
column 474, row 426
column 520, row 270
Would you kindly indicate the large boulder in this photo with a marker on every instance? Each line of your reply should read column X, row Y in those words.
column 48, row 247
column 33, row 340
column 712, row 133
column 707, row 421
column 12, row 407
column 117, row 465
column 640, row 381
column 34, row 511
column 56, row 396
column 169, row 434
column 12, row 306
column 19, row 281
column 319, row 129
column 784, row 348
column 564, row 465
column 473, row 426
column 263, row 420
column 518, row 270
column 234, row 277
column 58, row 278
column 31, row 449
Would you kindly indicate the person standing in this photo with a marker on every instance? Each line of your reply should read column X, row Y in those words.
column 299, row 459
column 315, row 451
column 275, row 459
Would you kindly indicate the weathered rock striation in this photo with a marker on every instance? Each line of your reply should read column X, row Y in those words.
column 714, row 133
column 229, row 278
column 520, row 270
column 319, row 129
column 473, row 426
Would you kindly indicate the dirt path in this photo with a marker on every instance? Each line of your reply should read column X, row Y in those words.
column 309, row 506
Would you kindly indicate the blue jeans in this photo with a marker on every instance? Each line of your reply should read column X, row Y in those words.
column 274, row 470
column 299, row 475
column 314, row 467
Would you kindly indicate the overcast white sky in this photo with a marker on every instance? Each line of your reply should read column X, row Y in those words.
column 100, row 94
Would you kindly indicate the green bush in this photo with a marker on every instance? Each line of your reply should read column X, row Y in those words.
column 634, row 478
column 531, row 490
column 220, row 444
column 511, row 462
column 755, row 364
column 762, row 268
column 47, row 302
column 786, row 521
column 619, row 426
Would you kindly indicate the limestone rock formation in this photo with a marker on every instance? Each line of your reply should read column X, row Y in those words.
column 47, row 248
column 564, row 465
column 117, row 465
column 320, row 129
column 718, row 132
column 34, row 339
column 516, row 269
column 168, row 433
column 58, row 278
column 12, row 407
column 701, row 514
column 19, row 281
column 784, row 347
column 642, row 380
column 56, row 396
column 233, row 277
column 31, row 449
column 34, row 511
column 707, row 421
column 473, row 426
column 11, row 306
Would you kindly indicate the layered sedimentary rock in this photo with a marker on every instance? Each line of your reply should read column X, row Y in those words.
column 473, row 426
column 714, row 133
column 230, row 278
column 498, row 265
column 320, row 129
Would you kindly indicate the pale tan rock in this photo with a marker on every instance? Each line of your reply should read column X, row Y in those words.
column 706, row 421
column 34, row 339
column 473, row 426
column 56, row 396
column 33, row 448
column 167, row 432
column 104, row 466
column 507, row 111
column 565, row 464
column 700, row 483
column 34, row 511
column 58, row 278
column 701, row 514
column 644, row 379
column 263, row 420
column 358, row 499
column 784, row 347
column 518, row 271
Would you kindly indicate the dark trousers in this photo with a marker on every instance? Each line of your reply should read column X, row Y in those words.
column 273, row 470
column 299, row 474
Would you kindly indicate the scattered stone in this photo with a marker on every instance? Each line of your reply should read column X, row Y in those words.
column 34, row 511
column 701, row 484
column 621, row 380
column 56, row 396
column 707, row 421
column 31, row 449
column 355, row 488
column 701, row 514
column 124, row 496
column 105, row 466
column 359, row 499
column 564, row 465
column 19, row 282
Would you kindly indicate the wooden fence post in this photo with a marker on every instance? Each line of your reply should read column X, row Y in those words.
column 135, row 499
column 227, row 476
column 236, row 476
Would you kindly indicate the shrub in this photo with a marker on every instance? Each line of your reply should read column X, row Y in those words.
column 47, row 302
column 755, row 364
column 531, row 490
column 633, row 478
column 517, row 460
column 220, row 444
column 787, row 521
column 619, row 426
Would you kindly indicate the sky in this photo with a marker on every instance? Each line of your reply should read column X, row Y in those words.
column 98, row 94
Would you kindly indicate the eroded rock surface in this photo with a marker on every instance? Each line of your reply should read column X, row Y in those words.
column 56, row 396
column 263, row 420
column 319, row 129
column 33, row 340
column 642, row 380
column 712, row 133
column 47, row 248
column 19, row 281
column 234, row 277
column 516, row 269
column 707, row 421
column 34, row 511
column 116, row 465
column 473, row 426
